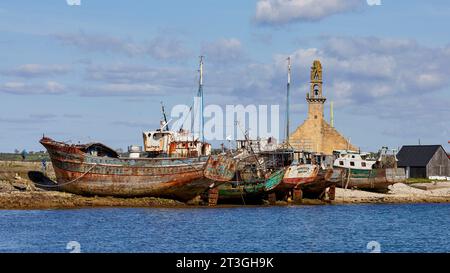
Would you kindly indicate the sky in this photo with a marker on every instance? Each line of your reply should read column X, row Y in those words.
column 99, row 70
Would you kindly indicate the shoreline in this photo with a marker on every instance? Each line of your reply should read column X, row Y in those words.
column 41, row 200
column 18, row 192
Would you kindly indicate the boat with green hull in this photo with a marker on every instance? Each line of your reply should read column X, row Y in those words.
column 364, row 174
column 249, row 191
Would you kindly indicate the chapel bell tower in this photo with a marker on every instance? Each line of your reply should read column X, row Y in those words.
column 315, row 96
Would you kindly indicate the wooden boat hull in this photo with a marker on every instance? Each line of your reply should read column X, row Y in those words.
column 249, row 192
column 220, row 168
column 377, row 180
column 80, row 173
column 241, row 193
column 298, row 175
column 325, row 178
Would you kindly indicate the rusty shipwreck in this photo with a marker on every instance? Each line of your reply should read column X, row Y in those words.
column 173, row 171
column 171, row 165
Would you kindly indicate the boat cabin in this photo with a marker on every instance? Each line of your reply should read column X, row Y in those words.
column 258, row 145
column 174, row 144
column 353, row 160
column 98, row 149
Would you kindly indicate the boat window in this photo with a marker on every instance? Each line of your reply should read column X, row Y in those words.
column 341, row 163
column 353, row 156
column 363, row 164
column 158, row 136
column 352, row 163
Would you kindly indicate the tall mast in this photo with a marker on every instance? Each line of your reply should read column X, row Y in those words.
column 200, row 94
column 287, row 99
column 331, row 114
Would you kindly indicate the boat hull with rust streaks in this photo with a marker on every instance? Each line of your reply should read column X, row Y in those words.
column 79, row 172
column 325, row 178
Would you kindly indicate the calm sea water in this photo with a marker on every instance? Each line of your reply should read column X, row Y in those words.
column 397, row 228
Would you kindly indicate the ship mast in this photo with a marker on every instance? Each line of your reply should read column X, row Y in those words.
column 200, row 94
column 331, row 114
column 287, row 99
column 166, row 124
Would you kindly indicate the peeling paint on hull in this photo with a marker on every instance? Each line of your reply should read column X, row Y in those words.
column 81, row 173
column 377, row 180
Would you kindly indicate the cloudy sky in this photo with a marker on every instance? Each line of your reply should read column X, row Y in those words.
column 98, row 71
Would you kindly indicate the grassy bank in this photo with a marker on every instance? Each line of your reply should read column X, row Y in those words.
column 418, row 180
column 34, row 157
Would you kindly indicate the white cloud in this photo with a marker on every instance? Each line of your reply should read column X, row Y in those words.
column 98, row 42
column 36, row 70
column 173, row 76
column 360, row 70
column 123, row 89
column 279, row 12
column 161, row 47
column 54, row 87
column 224, row 50
column 166, row 48
column 21, row 88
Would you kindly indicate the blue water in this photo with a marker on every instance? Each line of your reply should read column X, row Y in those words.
column 344, row 228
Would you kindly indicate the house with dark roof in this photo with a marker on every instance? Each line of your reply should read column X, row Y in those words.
column 423, row 161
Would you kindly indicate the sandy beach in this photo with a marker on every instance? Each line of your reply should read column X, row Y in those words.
column 399, row 193
column 19, row 191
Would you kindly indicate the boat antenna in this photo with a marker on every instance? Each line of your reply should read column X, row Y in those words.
column 164, row 116
column 200, row 94
column 287, row 99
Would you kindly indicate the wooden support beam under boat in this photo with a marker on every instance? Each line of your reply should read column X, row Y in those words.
column 272, row 198
column 332, row 193
column 298, row 196
column 213, row 196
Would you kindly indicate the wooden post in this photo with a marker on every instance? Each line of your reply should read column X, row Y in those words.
column 298, row 195
column 213, row 197
column 272, row 198
column 332, row 193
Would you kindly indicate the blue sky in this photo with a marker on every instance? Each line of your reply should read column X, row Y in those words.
column 98, row 71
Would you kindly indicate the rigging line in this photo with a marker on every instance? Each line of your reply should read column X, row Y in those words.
column 185, row 118
column 69, row 182
column 251, row 148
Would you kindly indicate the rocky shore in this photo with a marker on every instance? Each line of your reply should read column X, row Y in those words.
column 18, row 190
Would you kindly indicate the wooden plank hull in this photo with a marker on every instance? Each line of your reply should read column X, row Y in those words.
column 325, row 178
column 249, row 192
column 81, row 173
column 242, row 193
column 373, row 180
column 298, row 175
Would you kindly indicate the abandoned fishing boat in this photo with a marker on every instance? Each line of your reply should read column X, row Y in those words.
column 307, row 177
column 323, row 186
column 171, row 165
column 368, row 174
column 248, row 192
column 95, row 169
column 243, row 178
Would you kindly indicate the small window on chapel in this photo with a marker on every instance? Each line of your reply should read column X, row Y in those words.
column 316, row 90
